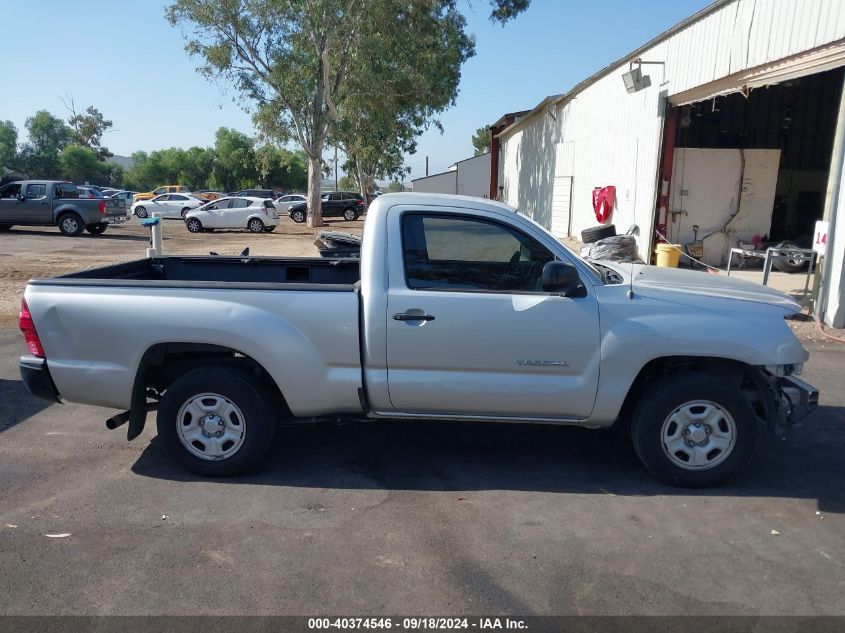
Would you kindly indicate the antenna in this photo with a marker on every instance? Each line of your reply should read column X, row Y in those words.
column 630, row 292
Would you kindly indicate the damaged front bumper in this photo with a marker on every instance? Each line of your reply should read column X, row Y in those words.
column 800, row 398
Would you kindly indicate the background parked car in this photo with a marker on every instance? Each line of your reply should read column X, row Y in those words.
column 347, row 204
column 208, row 194
column 170, row 205
column 254, row 214
column 258, row 193
column 44, row 202
column 149, row 195
column 89, row 192
column 284, row 203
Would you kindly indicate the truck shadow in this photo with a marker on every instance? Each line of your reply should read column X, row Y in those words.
column 16, row 403
column 443, row 456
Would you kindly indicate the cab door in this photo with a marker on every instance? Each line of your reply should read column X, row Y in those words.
column 238, row 212
column 36, row 207
column 469, row 329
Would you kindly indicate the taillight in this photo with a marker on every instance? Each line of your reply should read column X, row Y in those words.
column 30, row 336
column 102, row 207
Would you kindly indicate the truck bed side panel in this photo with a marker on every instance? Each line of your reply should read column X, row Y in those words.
column 307, row 339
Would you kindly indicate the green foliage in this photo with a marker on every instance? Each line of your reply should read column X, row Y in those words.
column 347, row 183
column 80, row 164
column 8, row 145
column 395, row 186
column 48, row 136
column 481, row 141
column 281, row 169
column 88, row 129
column 235, row 166
column 504, row 10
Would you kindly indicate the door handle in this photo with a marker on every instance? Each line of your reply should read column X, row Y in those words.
column 404, row 316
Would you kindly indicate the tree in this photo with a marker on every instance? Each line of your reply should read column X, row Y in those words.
column 293, row 59
column 48, row 136
column 8, row 145
column 481, row 141
column 80, row 164
column 235, row 165
column 395, row 186
column 408, row 70
column 280, row 168
column 88, row 129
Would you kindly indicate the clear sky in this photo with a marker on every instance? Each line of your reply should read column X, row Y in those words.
column 124, row 58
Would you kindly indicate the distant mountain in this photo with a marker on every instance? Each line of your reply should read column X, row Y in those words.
column 124, row 161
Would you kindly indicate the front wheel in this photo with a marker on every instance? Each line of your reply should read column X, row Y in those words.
column 694, row 430
column 194, row 225
column 298, row 216
column 350, row 214
column 255, row 225
column 96, row 229
column 216, row 421
column 185, row 212
column 141, row 212
column 71, row 225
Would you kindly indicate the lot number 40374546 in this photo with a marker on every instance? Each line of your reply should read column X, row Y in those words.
column 820, row 237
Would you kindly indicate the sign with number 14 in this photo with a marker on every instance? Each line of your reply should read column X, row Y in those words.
column 820, row 237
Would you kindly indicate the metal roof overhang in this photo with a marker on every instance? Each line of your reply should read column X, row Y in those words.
column 806, row 63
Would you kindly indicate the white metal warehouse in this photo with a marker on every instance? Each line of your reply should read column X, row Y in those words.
column 729, row 124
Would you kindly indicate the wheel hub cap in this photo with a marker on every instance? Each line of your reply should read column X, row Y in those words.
column 698, row 435
column 210, row 426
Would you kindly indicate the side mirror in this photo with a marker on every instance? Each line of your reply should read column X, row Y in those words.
column 561, row 278
column 19, row 198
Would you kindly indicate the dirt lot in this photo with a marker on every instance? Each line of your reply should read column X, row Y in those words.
column 29, row 252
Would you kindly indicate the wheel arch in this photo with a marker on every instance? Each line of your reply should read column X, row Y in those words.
column 748, row 379
column 162, row 363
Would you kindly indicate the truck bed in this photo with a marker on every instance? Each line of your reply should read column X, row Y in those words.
column 212, row 270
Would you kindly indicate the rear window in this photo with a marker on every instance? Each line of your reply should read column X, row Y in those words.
column 240, row 203
column 66, row 190
column 268, row 204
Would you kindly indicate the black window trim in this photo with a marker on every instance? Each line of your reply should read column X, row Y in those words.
column 464, row 216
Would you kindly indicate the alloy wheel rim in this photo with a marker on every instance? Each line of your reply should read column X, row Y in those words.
column 698, row 435
column 211, row 426
column 70, row 225
column 255, row 226
column 193, row 226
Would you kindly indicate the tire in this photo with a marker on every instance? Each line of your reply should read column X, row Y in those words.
column 670, row 409
column 96, row 229
column 141, row 212
column 270, row 229
column 5, row 227
column 70, row 224
column 231, row 400
column 255, row 225
column 193, row 225
column 787, row 265
column 185, row 212
column 596, row 233
column 298, row 216
column 350, row 214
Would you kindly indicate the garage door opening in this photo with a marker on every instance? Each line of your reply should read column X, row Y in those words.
column 752, row 168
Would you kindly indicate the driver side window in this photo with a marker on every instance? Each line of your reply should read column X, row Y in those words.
column 452, row 252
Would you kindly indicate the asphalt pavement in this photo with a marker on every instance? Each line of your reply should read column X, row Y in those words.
column 413, row 518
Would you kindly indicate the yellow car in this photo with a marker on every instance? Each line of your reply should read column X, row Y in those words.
column 157, row 192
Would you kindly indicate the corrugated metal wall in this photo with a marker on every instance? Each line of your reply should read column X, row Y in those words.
column 616, row 136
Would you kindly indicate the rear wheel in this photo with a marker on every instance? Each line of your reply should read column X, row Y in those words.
column 185, row 212
column 694, row 430
column 70, row 224
column 141, row 212
column 194, row 225
column 350, row 214
column 96, row 229
column 255, row 225
column 216, row 421
column 298, row 216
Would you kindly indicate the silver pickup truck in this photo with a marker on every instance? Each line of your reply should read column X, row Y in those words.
column 459, row 308
column 51, row 202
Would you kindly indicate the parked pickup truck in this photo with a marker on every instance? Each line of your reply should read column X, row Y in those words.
column 459, row 308
column 51, row 202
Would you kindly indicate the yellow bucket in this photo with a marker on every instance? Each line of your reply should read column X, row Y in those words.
column 668, row 255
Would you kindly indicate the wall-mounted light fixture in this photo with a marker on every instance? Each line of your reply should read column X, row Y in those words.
column 634, row 79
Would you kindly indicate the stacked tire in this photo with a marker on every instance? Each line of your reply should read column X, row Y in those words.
column 596, row 233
